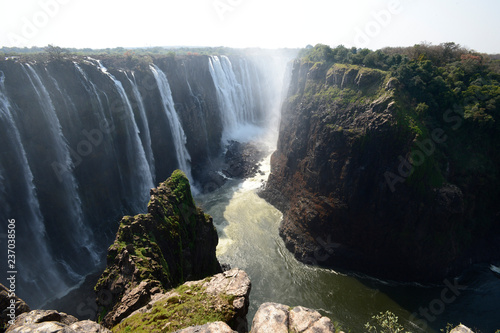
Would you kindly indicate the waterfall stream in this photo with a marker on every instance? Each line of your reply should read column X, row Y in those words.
column 143, row 180
column 36, row 253
column 175, row 125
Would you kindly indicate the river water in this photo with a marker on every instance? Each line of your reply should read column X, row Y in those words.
column 249, row 239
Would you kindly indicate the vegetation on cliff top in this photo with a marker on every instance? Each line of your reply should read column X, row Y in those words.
column 442, row 87
column 187, row 306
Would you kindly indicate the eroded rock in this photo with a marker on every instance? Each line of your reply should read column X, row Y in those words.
column 461, row 329
column 279, row 318
column 51, row 321
column 19, row 307
column 216, row 327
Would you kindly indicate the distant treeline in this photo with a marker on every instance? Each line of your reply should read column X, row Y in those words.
column 51, row 52
column 390, row 57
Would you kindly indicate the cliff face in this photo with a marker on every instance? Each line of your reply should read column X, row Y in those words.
column 175, row 241
column 84, row 139
column 343, row 142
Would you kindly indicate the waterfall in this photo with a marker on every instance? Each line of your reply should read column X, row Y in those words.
column 34, row 260
column 141, row 177
column 82, row 146
column 178, row 135
column 235, row 100
column 64, row 164
column 146, row 138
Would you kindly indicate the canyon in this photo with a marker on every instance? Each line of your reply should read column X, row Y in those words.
column 374, row 180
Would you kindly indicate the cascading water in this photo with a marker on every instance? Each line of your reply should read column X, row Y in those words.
column 146, row 136
column 183, row 157
column 41, row 268
column 64, row 162
column 41, row 271
column 142, row 180
column 236, row 106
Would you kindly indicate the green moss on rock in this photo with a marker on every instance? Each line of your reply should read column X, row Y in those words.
column 186, row 306
column 174, row 242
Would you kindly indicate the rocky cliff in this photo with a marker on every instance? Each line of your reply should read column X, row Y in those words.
column 363, row 186
column 174, row 242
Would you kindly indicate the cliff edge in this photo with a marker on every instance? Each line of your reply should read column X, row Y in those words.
column 370, row 180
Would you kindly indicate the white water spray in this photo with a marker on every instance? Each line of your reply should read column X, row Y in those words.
column 178, row 135
column 142, row 178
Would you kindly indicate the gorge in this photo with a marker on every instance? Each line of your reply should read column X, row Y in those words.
column 85, row 139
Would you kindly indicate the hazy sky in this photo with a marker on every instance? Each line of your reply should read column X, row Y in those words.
column 249, row 23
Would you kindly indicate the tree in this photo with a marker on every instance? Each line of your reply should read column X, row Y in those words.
column 55, row 52
column 385, row 323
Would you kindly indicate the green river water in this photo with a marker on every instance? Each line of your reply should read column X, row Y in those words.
column 249, row 239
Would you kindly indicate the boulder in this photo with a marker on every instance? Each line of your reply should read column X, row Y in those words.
column 277, row 318
column 461, row 329
column 51, row 321
column 5, row 301
column 216, row 327
column 271, row 317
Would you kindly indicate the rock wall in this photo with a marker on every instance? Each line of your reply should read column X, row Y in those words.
column 341, row 133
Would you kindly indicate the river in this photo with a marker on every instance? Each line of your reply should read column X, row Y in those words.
column 249, row 239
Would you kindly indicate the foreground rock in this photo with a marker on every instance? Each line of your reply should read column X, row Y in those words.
column 174, row 242
column 461, row 329
column 279, row 318
column 223, row 297
column 51, row 321
column 217, row 327
column 10, row 310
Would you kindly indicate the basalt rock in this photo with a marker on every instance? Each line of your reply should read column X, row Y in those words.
column 461, row 329
column 174, row 242
column 216, row 327
column 10, row 309
column 242, row 159
column 343, row 178
column 51, row 321
column 279, row 318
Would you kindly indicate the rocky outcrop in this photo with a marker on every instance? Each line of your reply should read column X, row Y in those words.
column 344, row 139
column 242, row 159
column 50, row 321
column 174, row 242
column 11, row 307
column 461, row 329
column 279, row 318
column 216, row 327
column 222, row 297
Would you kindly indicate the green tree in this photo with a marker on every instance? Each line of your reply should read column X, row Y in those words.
column 55, row 52
column 385, row 323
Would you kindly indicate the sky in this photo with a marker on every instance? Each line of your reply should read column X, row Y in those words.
column 249, row 23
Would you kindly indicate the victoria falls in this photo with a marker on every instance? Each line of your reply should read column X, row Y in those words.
column 348, row 181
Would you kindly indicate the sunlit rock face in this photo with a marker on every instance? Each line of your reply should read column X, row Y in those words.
column 341, row 147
